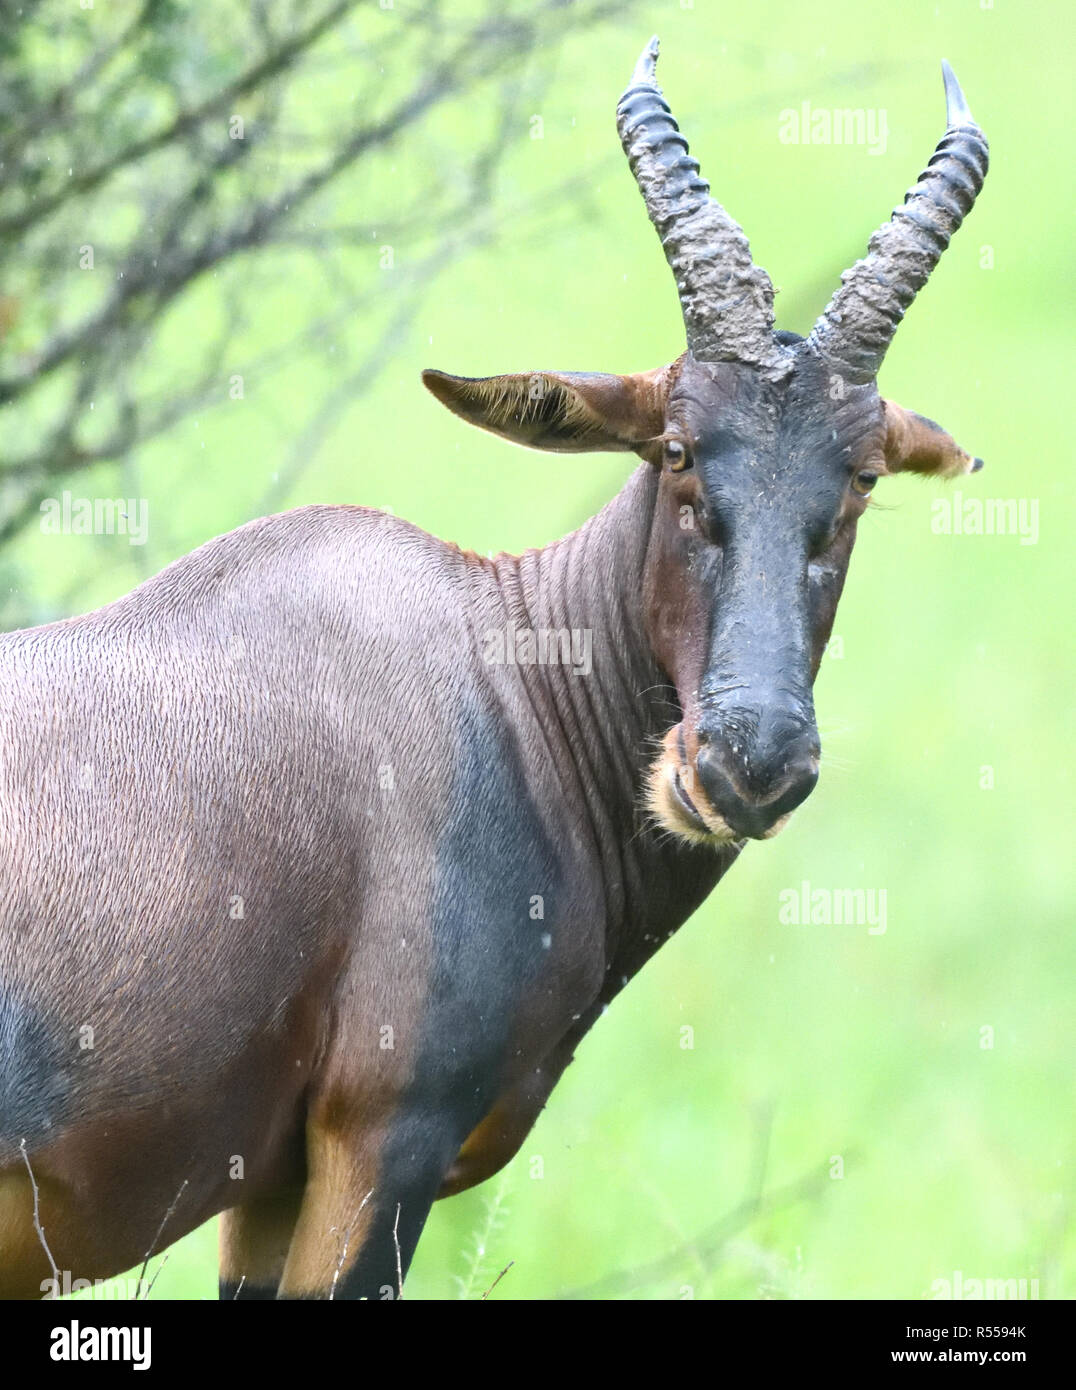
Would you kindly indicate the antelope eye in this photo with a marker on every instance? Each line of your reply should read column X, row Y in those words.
column 676, row 456
column 863, row 482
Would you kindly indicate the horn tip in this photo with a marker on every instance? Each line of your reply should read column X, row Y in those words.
column 646, row 67
column 957, row 111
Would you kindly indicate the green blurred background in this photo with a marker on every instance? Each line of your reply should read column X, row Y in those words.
column 668, row 1172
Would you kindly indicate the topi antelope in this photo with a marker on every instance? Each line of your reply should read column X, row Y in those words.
column 322, row 850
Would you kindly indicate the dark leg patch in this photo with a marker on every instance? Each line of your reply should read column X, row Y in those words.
column 35, row 1075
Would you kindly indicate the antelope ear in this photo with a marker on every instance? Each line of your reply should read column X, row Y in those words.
column 569, row 412
column 917, row 445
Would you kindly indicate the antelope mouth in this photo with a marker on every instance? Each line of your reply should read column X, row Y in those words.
column 686, row 805
column 678, row 810
column 679, row 806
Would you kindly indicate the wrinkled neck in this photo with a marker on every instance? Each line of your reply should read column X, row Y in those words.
column 606, row 711
column 591, row 583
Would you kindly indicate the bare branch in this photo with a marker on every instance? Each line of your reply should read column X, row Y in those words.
column 157, row 1274
column 343, row 1253
column 498, row 1279
column 281, row 58
column 399, row 1263
column 153, row 1243
column 73, row 344
column 56, row 107
column 163, row 281
column 37, row 1218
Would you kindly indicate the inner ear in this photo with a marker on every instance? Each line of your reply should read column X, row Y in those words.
column 568, row 412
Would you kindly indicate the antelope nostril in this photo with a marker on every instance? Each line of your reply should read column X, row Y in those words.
column 724, row 797
column 801, row 779
column 750, row 815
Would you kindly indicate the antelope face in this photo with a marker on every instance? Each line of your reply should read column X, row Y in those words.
column 761, row 486
column 764, row 477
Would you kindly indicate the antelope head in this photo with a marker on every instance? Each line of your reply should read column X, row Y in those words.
column 767, row 447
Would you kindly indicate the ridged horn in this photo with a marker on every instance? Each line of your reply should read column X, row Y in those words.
column 727, row 302
column 860, row 320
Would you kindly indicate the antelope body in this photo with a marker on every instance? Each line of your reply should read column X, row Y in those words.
column 307, row 896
